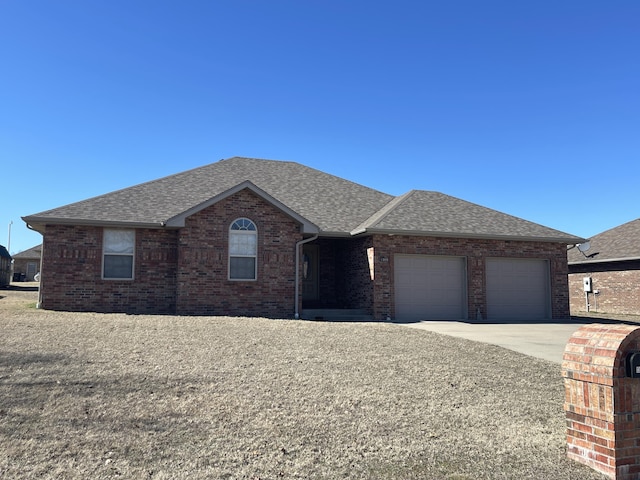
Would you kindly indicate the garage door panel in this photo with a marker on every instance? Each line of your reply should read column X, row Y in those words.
column 429, row 287
column 517, row 289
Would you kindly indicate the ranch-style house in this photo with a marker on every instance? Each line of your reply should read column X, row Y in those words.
column 251, row 237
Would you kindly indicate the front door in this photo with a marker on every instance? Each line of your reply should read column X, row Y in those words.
column 31, row 270
column 310, row 290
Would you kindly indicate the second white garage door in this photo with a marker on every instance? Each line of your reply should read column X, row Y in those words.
column 518, row 289
column 429, row 287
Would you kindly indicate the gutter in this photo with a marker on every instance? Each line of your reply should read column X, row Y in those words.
column 482, row 236
column 604, row 260
column 34, row 223
column 296, row 314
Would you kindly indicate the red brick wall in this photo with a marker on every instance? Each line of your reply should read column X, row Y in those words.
column 203, row 284
column 329, row 273
column 385, row 246
column 601, row 402
column 71, row 272
column 358, row 289
column 344, row 279
column 186, row 271
column 618, row 284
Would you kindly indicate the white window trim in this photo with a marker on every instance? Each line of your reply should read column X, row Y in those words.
column 133, row 255
column 255, row 256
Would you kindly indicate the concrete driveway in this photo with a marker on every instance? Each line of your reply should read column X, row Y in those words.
column 539, row 339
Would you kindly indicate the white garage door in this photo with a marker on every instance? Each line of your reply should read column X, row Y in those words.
column 518, row 289
column 429, row 287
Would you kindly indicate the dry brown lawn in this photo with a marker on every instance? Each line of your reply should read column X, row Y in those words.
column 85, row 395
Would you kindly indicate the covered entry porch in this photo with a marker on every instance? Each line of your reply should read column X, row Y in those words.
column 337, row 280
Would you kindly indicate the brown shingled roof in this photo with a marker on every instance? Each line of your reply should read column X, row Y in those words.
column 434, row 213
column 615, row 244
column 33, row 252
column 332, row 205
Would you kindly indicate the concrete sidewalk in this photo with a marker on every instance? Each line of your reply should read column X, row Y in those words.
column 544, row 340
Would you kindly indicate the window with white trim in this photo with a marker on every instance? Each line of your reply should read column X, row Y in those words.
column 243, row 250
column 117, row 252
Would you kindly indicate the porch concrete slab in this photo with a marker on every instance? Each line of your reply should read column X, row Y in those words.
column 538, row 339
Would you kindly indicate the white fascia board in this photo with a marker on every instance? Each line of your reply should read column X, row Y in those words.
column 306, row 226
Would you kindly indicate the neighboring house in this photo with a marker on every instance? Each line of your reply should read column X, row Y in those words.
column 610, row 268
column 5, row 267
column 27, row 263
column 248, row 237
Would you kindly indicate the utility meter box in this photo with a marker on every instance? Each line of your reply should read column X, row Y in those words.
column 586, row 283
column 633, row 365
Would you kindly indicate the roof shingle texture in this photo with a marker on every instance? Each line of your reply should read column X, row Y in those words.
column 444, row 213
column 622, row 242
column 33, row 252
column 334, row 204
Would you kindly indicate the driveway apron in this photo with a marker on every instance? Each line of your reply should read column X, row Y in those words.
column 544, row 340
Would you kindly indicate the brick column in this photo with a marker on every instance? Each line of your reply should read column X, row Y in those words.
column 602, row 404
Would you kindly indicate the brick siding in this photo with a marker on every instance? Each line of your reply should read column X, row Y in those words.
column 618, row 285
column 601, row 402
column 185, row 271
column 344, row 275
column 475, row 251
column 203, row 284
column 72, row 272
column 358, row 286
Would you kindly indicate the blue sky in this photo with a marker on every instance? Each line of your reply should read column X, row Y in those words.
column 530, row 108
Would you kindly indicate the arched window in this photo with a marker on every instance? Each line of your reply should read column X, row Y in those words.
column 243, row 250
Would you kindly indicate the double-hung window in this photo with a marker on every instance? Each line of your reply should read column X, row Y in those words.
column 118, row 252
column 243, row 250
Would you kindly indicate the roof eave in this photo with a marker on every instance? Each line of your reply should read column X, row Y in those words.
column 334, row 234
column 39, row 223
column 425, row 233
column 605, row 260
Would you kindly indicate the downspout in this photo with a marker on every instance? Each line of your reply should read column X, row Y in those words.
column 297, row 286
column 39, row 304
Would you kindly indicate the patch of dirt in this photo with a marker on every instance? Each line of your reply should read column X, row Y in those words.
column 19, row 295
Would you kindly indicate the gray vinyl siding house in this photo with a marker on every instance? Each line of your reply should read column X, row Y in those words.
column 26, row 264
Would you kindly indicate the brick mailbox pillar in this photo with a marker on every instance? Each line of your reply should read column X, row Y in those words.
column 602, row 402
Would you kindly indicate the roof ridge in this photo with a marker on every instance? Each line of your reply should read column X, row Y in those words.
column 148, row 182
column 615, row 228
column 332, row 203
column 484, row 207
column 428, row 212
column 34, row 249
